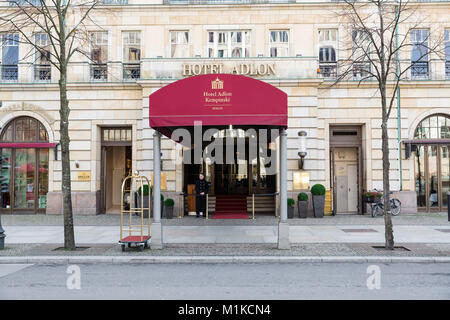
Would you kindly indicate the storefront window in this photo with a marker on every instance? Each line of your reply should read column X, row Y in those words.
column 24, row 171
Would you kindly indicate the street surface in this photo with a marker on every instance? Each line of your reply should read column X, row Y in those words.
column 226, row 281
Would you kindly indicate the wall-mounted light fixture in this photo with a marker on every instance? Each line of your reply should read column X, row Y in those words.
column 301, row 148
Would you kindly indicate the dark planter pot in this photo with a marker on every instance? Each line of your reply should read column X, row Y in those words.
column 318, row 205
column 302, row 209
column 290, row 212
column 137, row 200
column 169, row 212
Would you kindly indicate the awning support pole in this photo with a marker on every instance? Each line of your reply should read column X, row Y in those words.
column 156, row 241
column 283, row 226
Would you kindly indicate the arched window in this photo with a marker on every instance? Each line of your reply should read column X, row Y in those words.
column 24, row 157
column 436, row 126
column 24, row 129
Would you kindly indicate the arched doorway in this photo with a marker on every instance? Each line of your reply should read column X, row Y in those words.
column 431, row 148
column 24, row 166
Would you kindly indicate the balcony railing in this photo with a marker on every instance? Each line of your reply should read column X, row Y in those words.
column 420, row 70
column 361, row 70
column 328, row 70
column 131, row 71
column 447, row 69
column 42, row 72
column 99, row 72
column 23, row 3
column 226, row 1
column 115, row 2
column 10, row 72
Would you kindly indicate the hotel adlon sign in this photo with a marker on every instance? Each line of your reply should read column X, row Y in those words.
column 245, row 69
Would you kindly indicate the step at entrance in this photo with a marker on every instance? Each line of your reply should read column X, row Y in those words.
column 231, row 207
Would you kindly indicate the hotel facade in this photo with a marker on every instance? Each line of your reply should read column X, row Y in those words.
column 141, row 49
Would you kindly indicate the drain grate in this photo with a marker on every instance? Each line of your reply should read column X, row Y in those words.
column 76, row 249
column 443, row 230
column 358, row 230
column 396, row 248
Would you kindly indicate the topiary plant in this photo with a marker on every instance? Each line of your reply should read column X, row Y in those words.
column 169, row 202
column 291, row 202
column 302, row 196
column 318, row 190
column 146, row 190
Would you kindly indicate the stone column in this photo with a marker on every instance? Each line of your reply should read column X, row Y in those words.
column 156, row 227
column 283, row 226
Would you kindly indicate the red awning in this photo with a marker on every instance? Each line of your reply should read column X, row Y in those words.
column 218, row 100
column 28, row 145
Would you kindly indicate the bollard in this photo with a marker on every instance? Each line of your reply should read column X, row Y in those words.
column 2, row 235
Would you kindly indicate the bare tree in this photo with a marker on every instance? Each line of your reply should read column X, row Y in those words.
column 50, row 17
column 387, row 41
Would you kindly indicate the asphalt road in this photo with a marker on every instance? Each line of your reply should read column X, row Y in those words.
column 226, row 281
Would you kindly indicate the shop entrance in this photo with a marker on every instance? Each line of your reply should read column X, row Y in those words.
column 115, row 166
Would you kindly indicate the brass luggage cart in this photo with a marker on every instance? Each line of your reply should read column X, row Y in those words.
column 134, row 234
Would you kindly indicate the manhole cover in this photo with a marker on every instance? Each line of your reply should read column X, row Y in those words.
column 359, row 230
column 443, row 230
column 396, row 248
column 76, row 249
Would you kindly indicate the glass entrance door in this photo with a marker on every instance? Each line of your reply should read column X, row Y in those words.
column 432, row 176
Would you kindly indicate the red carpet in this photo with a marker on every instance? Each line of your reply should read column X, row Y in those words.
column 231, row 207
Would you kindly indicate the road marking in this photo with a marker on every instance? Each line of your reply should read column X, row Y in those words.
column 7, row 269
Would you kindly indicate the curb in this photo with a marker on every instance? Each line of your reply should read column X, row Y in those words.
column 217, row 259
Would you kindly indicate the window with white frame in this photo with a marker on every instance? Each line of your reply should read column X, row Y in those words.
column 42, row 68
column 9, row 56
column 447, row 52
column 131, row 42
column 226, row 44
column 99, row 55
column 361, row 52
column 179, row 44
column 279, row 43
column 419, row 53
column 327, row 52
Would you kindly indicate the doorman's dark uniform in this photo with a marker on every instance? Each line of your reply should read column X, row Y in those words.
column 200, row 203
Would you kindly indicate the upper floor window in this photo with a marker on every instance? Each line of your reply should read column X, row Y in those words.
column 361, row 52
column 42, row 68
column 447, row 52
column 433, row 127
column 131, row 54
column 99, row 55
column 9, row 56
column 327, row 52
column 226, row 44
column 419, row 53
column 179, row 44
column 279, row 43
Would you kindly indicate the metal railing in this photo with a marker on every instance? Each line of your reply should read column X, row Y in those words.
column 262, row 195
column 420, row 70
column 361, row 70
column 42, row 72
column 99, row 71
column 131, row 71
column 169, row 2
column 10, row 72
column 328, row 70
column 447, row 69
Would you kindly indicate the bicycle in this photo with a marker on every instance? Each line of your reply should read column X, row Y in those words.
column 378, row 206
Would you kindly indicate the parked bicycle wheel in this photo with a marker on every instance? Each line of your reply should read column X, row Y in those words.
column 375, row 211
column 396, row 206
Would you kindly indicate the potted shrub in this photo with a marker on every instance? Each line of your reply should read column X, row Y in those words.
column 372, row 196
column 145, row 195
column 290, row 208
column 168, row 204
column 302, row 205
column 318, row 199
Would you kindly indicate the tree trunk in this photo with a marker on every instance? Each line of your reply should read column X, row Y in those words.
column 389, row 233
column 69, row 237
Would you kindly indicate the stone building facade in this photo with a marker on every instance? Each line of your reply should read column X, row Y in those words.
column 144, row 45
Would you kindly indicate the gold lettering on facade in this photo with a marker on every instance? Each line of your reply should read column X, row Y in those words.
column 251, row 69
